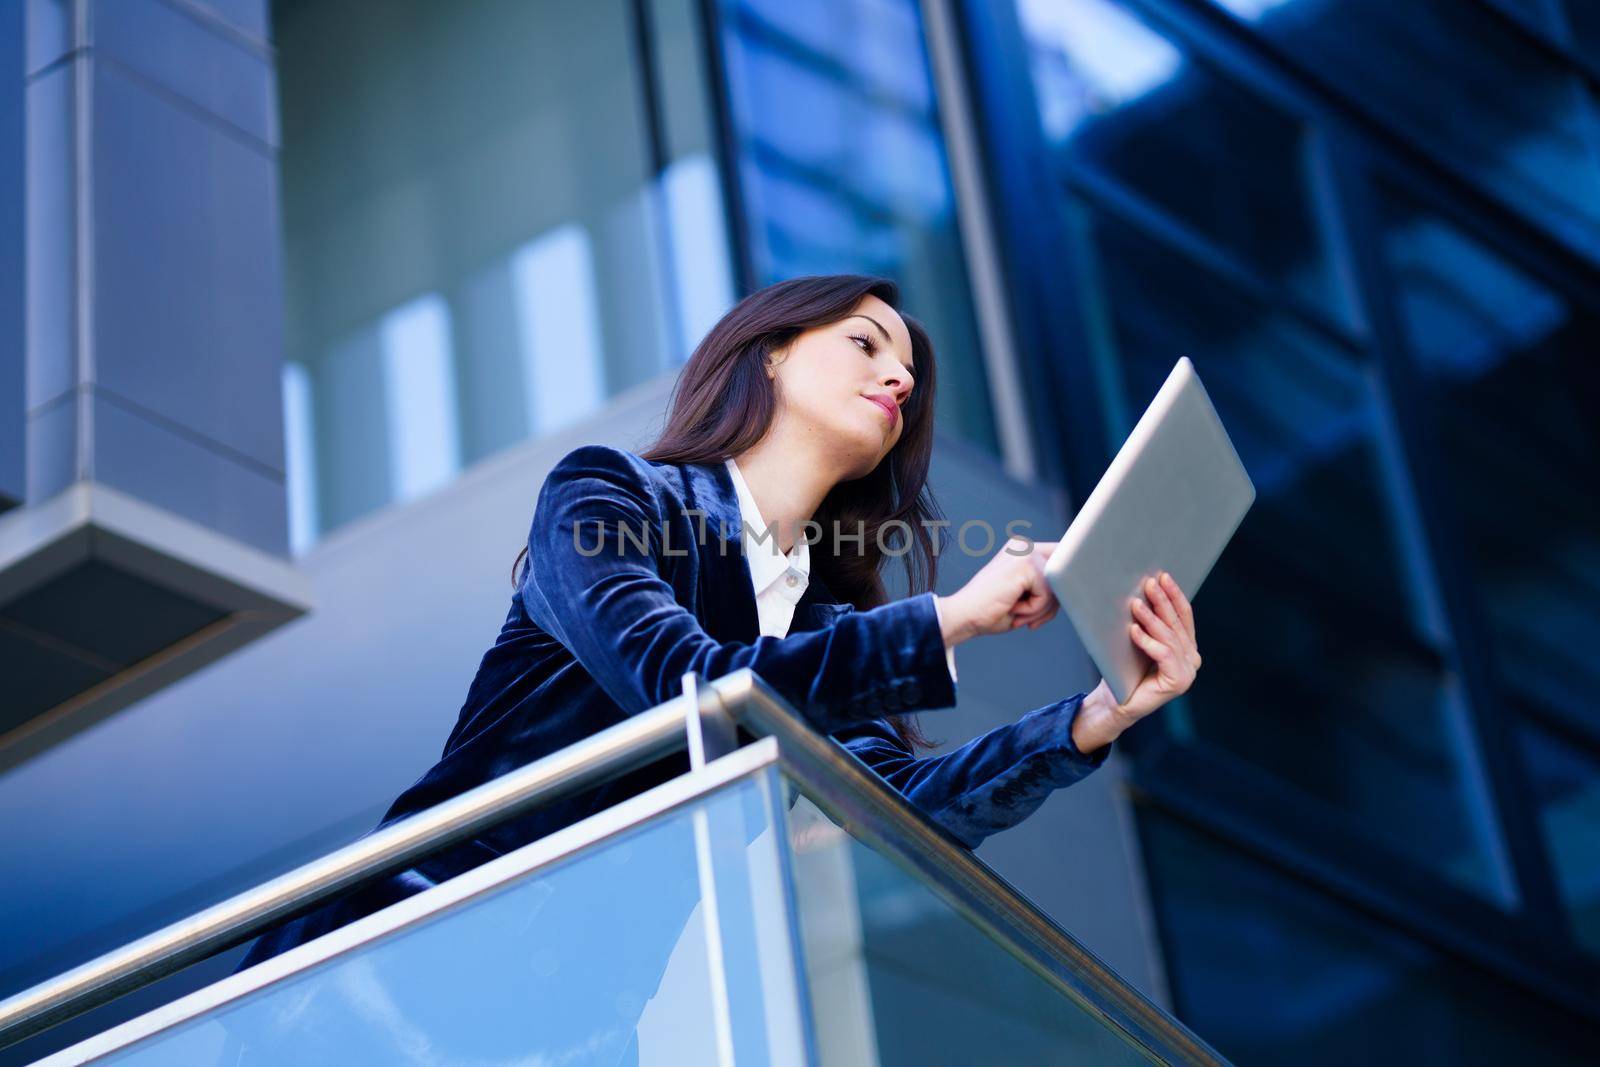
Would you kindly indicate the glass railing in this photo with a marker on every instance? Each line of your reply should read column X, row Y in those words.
column 778, row 904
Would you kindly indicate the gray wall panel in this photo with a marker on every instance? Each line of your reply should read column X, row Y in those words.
column 186, row 292
column 51, row 251
column 247, row 16
column 48, row 30
column 165, row 466
column 52, row 445
column 212, row 70
column 13, row 147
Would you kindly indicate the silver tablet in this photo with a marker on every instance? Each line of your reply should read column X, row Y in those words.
column 1170, row 501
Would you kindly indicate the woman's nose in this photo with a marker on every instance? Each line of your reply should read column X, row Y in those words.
column 896, row 384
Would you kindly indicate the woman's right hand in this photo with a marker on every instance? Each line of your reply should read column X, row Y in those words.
column 1009, row 591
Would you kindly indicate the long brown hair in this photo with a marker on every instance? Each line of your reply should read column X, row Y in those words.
column 723, row 403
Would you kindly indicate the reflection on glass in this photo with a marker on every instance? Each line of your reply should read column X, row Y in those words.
column 843, row 169
column 299, row 457
column 1513, row 396
column 1566, row 781
column 897, row 976
column 1461, row 81
column 1318, row 668
column 1538, row 14
column 1119, row 98
column 476, row 248
column 419, row 392
column 1342, row 987
column 603, row 958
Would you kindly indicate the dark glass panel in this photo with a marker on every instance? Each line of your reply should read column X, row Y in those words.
column 1460, row 81
column 1583, row 19
column 1118, row 97
column 1566, row 781
column 1271, row 971
column 1513, row 388
column 1318, row 668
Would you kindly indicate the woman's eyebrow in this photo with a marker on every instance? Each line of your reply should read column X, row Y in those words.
column 886, row 338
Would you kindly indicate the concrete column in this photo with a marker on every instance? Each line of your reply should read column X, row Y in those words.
column 141, row 421
column 154, row 296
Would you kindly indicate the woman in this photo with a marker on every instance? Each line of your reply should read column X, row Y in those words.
column 811, row 399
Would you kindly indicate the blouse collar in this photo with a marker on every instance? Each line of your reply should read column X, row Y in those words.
column 767, row 563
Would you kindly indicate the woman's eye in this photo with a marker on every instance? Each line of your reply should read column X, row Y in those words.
column 866, row 342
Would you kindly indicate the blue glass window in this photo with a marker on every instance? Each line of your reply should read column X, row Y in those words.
column 1456, row 78
column 1319, row 668
column 843, row 168
column 1118, row 97
column 1271, row 971
column 1509, row 364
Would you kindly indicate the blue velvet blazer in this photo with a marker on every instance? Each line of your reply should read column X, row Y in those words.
column 621, row 597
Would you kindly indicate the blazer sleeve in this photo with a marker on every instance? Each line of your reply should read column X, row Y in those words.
column 619, row 617
column 992, row 782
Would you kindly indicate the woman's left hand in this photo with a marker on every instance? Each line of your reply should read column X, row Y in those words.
column 1164, row 630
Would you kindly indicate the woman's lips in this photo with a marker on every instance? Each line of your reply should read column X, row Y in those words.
column 887, row 408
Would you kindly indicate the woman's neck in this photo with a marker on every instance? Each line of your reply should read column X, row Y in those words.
column 788, row 480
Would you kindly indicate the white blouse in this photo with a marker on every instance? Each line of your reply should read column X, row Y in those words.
column 780, row 579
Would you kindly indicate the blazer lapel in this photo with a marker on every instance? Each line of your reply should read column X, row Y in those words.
column 728, row 610
column 728, row 605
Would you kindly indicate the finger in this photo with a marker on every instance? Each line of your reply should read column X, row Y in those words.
column 1037, row 595
column 1152, row 648
column 1156, row 593
column 1181, row 602
column 1034, row 618
column 1025, row 612
column 1050, row 613
column 1152, row 622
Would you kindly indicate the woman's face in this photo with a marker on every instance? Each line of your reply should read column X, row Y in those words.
column 827, row 374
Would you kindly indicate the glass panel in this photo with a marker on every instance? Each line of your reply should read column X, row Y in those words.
column 1566, row 779
column 1319, row 670
column 598, row 959
column 1460, row 81
column 1537, row 14
column 1583, row 17
column 1514, row 391
column 1124, row 100
column 473, row 235
column 844, row 170
column 897, row 976
column 1272, row 971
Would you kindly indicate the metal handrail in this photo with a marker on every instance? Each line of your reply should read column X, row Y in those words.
column 850, row 792
column 614, row 751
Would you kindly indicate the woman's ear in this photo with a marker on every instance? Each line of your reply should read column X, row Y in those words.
column 775, row 357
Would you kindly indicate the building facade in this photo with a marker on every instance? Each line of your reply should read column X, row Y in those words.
column 311, row 296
